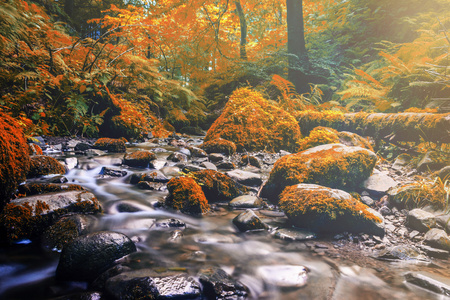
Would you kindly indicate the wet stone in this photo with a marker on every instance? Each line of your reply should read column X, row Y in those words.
column 284, row 276
column 246, row 178
column 248, row 220
column 152, row 186
column 169, row 223
column 216, row 157
column 217, row 284
column 431, row 282
column 226, row 165
column 107, row 172
column 433, row 252
column 178, row 157
column 294, row 234
column 246, row 201
column 401, row 252
column 208, row 165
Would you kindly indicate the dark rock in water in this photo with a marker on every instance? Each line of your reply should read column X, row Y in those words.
column 89, row 255
column 402, row 252
column 420, row 220
column 28, row 217
column 226, row 165
column 294, row 234
column 216, row 157
column 431, row 282
column 437, row 238
column 217, row 284
column 153, row 176
column 191, row 168
column 123, row 287
column 153, row 186
column 127, row 207
column 148, row 284
column 246, row 178
column 177, row 157
column 198, row 152
column 82, row 296
column 246, row 201
column 107, row 172
column 82, row 146
column 248, row 220
column 66, row 230
column 99, row 283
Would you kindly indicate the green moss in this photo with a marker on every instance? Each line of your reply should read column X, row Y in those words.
column 14, row 158
column 186, row 196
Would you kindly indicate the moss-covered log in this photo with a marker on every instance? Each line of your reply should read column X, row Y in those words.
column 406, row 127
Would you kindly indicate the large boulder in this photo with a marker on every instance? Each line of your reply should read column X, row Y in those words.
column 252, row 123
column 187, row 196
column 331, row 165
column 139, row 159
column 14, row 158
column 327, row 210
column 28, row 217
column 88, row 256
column 219, row 145
column 110, row 145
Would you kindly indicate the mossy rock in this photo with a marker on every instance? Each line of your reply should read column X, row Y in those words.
column 325, row 135
column 326, row 210
column 44, row 165
column 249, row 160
column 28, row 217
column 139, row 159
column 331, row 165
column 418, row 195
column 186, row 196
column 30, row 189
column 219, row 146
column 218, row 187
column 14, row 158
column 110, row 145
column 253, row 123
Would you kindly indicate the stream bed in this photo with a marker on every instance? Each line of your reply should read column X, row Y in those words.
column 269, row 266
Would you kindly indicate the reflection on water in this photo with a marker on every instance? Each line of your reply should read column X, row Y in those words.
column 271, row 268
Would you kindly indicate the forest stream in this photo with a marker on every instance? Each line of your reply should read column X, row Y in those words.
column 269, row 265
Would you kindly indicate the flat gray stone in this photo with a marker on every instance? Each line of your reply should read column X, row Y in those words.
column 246, row 201
column 379, row 183
column 420, row 220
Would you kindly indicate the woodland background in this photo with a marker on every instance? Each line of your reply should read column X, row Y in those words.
column 129, row 68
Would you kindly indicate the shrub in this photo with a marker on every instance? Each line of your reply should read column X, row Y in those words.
column 14, row 158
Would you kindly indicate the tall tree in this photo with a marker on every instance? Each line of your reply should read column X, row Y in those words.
column 243, row 25
column 298, row 56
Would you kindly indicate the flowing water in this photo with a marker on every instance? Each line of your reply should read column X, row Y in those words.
column 270, row 267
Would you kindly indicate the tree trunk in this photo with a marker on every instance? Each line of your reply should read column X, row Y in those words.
column 405, row 127
column 243, row 25
column 298, row 57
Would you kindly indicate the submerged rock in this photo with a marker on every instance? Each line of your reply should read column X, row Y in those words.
column 333, row 165
column 402, row 252
column 327, row 210
column 89, row 255
column 431, row 282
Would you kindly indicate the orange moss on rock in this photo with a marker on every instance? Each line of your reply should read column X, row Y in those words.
column 216, row 186
column 110, row 145
column 14, row 158
column 35, row 149
column 219, row 146
column 44, row 165
column 252, row 123
column 139, row 159
column 332, row 165
column 249, row 160
column 409, row 127
column 186, row 196
column 324, row 209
